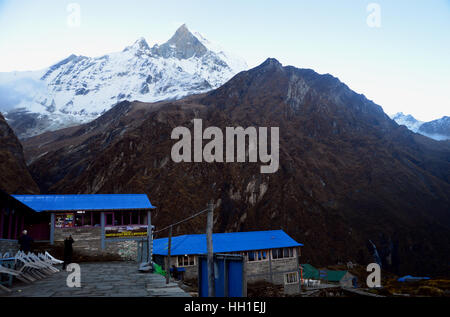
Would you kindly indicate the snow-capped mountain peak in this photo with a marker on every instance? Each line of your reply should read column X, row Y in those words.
column 438, row 129
column 407, row 120
column 78, row 88
column 182, row 45
column 139, row 45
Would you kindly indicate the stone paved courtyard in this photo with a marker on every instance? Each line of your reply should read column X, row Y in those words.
column 119, row 279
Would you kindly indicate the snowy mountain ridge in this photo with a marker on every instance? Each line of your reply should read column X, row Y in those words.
column 78, row 89
column 438, row 129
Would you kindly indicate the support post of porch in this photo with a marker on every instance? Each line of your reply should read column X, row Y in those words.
column 149, row 237
column 102, row 222
column 52, row 228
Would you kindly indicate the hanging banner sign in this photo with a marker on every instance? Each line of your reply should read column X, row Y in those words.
column 126, row 231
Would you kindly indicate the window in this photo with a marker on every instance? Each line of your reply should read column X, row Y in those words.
column 291, row 278
column 262, row 255
column 276, row 253
column 87, row 219
column 109, row 218
column 257, row 255
column 143, row 217
column 78, row 220
column 126, row 218
column 64, row 220
column 96, row 219
column 135, row 218
column 282, row 253
column 186, row 260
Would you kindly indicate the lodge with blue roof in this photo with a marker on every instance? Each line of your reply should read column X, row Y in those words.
column 99, row 223
column 268, row 255
column 91, row 202
column 225, row 242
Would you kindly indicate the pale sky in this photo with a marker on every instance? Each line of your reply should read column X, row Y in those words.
column 402, row 65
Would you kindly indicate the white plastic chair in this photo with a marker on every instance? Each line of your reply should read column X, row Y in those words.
column 29, row 267
column 15, row 273
column 52, row 259
column 45, row 266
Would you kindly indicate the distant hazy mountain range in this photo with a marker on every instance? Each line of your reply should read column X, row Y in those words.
column 78, row 89
column 437, row 129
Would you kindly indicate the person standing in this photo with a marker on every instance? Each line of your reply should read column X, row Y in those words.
column 25, row 242
column 68, row 251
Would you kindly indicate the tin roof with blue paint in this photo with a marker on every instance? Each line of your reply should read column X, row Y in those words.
column 85, row 202
column 225, row 242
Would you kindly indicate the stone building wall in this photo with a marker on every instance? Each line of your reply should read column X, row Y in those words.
column 191, row 272
column 291, row 289
column 257, row 271
column 87, row 240
column 88, row 244
column 260, row 270
column 126, row 249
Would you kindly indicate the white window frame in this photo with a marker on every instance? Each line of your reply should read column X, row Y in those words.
column 257, row 258
column 188, row 257
column 286, row 278
column 291, row 251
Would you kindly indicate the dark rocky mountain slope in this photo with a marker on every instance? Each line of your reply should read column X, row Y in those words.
column 348, row 173
column 14, row 175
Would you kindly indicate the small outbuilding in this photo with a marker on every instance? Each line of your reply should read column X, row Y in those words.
column 343, row 278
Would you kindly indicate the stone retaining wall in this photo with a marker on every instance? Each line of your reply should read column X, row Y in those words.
column 88, row 244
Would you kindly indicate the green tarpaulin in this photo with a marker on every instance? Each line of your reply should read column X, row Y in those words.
column 310, row 272
column 158, row 269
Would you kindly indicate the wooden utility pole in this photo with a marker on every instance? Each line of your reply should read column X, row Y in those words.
column 168, row 257
column 149, row 238
column 299, row 270
column 209, row 244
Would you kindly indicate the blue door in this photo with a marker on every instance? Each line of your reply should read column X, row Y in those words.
column 235, row 279
column 228, row 273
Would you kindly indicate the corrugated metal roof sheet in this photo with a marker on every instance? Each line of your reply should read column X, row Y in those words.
column 310, row 272
column 85, row 202
column 225, row 242
column 335, row 276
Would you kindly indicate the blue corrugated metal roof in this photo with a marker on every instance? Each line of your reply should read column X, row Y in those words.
column 225, row 242
column 85, row 202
